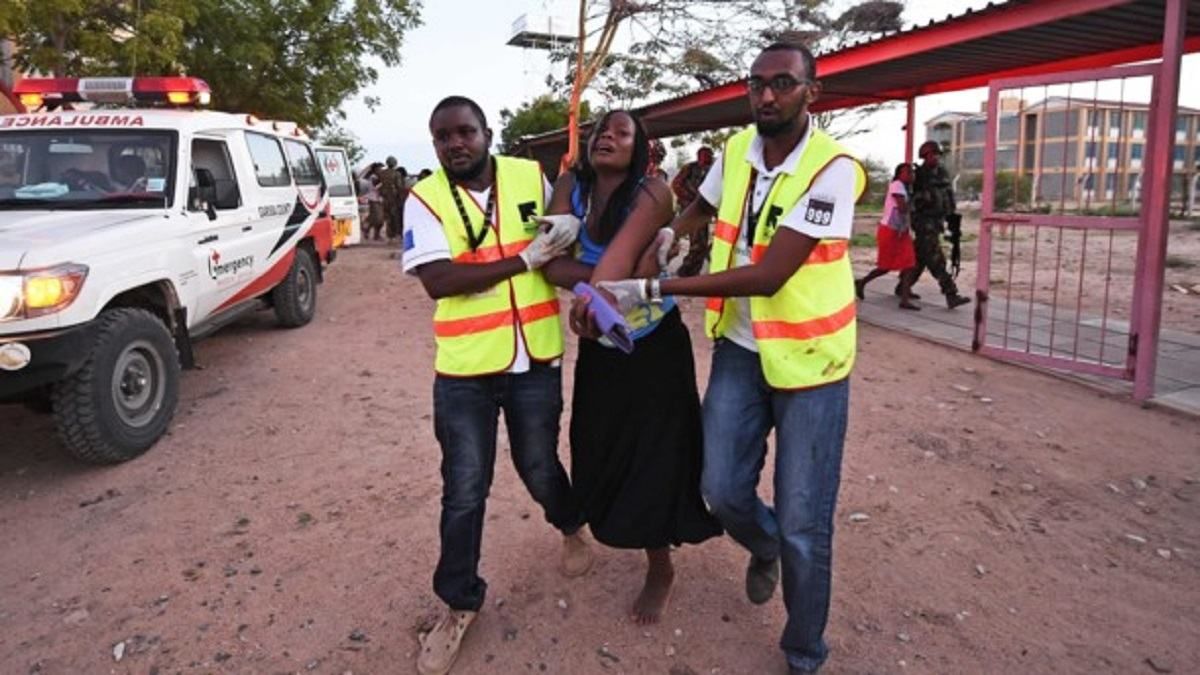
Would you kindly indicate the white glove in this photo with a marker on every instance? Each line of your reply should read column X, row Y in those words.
column 666, row 242
column 629, row 293
column 543, row 249
column 563, row 228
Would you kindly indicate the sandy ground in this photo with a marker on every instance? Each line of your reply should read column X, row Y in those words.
column 1100, row 270
column 1015, row 523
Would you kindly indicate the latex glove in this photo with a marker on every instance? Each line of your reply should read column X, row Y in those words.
column 563, row 228
column 670, row 252
column 543, row 249
column 628, row 293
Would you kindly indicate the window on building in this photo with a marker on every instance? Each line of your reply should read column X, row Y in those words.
column 1181, row 124
column 1089, row 150
column 1114, row 122
column 1093, row 118
column 1110, row 182
column 1180, row 153
column 1009, row 125
column 270, row 167
column 1134, row 184
column 1196, row 155
column 1114, row 150
column 1139, row 121
column 1056, row 124
column 1136, row 150
column 974, row 131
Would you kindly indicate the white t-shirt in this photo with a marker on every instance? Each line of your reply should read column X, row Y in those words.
column 896, row 189
column 832, row 192
column 425, row 242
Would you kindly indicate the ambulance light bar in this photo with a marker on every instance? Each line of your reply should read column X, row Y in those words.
column 34, row 92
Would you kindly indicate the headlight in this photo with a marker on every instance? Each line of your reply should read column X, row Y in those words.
column 39, row 292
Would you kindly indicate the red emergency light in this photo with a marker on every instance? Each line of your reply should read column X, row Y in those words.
column 34, row 92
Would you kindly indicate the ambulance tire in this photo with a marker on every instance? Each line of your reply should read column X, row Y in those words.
column 295, row 298
column 123, row 398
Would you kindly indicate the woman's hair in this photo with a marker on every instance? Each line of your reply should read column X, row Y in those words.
column 621, row 201
column 900, row 167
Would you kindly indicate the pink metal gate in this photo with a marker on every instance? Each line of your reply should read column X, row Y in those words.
column 1066, row 275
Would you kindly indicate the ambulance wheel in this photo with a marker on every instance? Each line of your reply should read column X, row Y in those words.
column 120, row 402
column 295, row 299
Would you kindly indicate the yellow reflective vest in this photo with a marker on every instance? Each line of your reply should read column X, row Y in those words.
column 476, row 334
column 806, row 332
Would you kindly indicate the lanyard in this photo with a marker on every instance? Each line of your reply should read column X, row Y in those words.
column 474, row 240
column 752, row 215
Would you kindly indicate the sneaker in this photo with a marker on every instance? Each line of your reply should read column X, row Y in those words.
column 577, row 554
column 956, row 300
column 762, row 576
column 439, row 647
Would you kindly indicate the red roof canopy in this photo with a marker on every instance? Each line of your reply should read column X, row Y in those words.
column 1019, row 37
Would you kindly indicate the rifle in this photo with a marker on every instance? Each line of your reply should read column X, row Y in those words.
column 954, row 236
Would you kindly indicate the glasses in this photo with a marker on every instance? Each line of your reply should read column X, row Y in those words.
column 780, row 84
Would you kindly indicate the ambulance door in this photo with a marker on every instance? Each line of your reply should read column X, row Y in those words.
column 220, row 221
column 343, row 202
column 314, row 195
column 262, row 255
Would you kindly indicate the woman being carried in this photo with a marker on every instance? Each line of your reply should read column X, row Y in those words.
column 636, row 440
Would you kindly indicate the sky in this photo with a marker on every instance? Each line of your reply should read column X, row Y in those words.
column 461, row 49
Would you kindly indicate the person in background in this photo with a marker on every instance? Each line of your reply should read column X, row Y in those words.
column 392, row 190
column 686, row 187
column 375, row 213
column 894, row 243
column 933, row 200
column 658, row 154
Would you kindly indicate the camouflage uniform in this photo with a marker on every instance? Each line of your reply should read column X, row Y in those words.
column 686, row 187
column 391, row 188
column 933, row 200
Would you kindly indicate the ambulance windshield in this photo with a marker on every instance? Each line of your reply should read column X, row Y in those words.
column 86, row 169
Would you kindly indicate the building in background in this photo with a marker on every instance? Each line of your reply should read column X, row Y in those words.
column 1081, row 153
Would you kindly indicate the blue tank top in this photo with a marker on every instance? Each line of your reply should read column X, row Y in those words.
column 642, row 320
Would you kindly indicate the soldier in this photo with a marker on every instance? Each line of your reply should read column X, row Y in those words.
column 393, row 191
column 933, row 200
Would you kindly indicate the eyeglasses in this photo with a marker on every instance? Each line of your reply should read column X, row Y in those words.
column 779, row 84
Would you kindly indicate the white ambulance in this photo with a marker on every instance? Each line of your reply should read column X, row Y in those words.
column 343, row 203
column 128, row 232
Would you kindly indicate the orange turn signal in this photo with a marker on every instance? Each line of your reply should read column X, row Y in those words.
column 31, row 101
column 179, row 97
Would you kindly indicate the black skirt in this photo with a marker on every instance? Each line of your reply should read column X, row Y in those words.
column 637, row 443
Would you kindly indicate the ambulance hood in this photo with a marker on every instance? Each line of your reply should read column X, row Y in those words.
column 33, row 239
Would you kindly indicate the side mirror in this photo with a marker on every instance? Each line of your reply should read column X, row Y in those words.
column 203, row 195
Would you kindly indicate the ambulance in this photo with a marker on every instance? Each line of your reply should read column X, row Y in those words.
column 132, row 223
column 343, row 203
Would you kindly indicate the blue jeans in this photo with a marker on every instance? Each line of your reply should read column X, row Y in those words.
column 740, row 409
column 465, row 415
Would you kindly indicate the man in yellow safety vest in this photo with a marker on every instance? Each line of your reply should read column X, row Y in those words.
column 474, row 239
column 781, row 308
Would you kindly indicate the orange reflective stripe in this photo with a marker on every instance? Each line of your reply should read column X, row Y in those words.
column 472, row 325
column 823, row 252
column 828, row 251
column 725, row 232
column 714, row 304
column 487, row 254
column 805, row 330
column 542, row 310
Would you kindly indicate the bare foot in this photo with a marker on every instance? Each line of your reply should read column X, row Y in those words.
column 652, row 601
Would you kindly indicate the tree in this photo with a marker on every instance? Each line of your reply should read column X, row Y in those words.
column 345, row 139
column 681, row 45
column 292, row 59
column 544, row 113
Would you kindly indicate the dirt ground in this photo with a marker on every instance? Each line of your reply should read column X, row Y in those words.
column 1014, row 522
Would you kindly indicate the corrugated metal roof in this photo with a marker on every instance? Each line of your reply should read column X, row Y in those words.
column 1018, row 37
